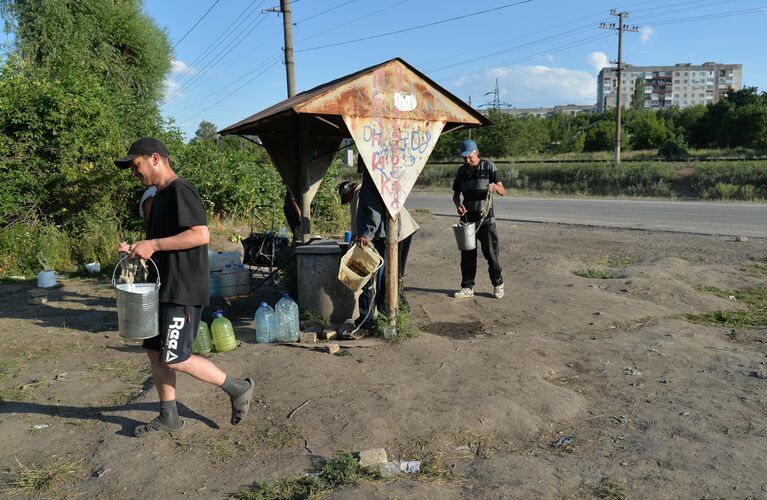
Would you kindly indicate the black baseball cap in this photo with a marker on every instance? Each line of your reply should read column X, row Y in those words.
column 140, row 147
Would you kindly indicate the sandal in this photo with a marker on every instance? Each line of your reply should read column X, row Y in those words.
column 155, row 426
column 241, row 404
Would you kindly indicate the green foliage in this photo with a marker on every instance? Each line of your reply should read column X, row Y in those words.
column 646, row 129
column 756, row 314
column 713, row 180
column 672, row 149
column 339, row 471
column 637, row 99
column 599, row 274
column 205, row 132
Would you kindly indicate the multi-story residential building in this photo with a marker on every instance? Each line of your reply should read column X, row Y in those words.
column 568, row 109
column 681, row 85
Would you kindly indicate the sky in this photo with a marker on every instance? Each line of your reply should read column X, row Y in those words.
column 228, row 61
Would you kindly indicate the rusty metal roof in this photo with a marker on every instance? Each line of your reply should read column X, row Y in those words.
column 341, row 97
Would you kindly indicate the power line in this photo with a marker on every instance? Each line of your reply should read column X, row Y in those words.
column 234, row 91
column 219, row 56
column 338, row 26
column 224, row 35
column 323, row 12
column 380, row 35
column 195, row 24
column 717, row 15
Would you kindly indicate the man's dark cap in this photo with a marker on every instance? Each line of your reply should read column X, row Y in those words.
column 343, row 188
column 141, row 147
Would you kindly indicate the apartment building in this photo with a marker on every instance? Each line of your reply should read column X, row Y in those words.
column 568, row 109
column 681, row 85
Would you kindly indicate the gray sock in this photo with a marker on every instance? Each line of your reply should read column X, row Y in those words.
column 169, row 413
column 235, row 387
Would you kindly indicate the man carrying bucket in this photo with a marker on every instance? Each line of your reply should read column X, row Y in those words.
column 177, row 239
column 475, row 180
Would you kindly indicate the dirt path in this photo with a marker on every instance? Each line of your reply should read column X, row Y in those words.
column 654, row 406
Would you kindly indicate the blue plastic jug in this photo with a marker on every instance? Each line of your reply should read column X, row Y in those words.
column 286, row 311
column 266, row 326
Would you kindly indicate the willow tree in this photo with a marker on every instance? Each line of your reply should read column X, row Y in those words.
column 80, row 80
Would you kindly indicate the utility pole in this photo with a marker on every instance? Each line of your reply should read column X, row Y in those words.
column 621, row 28
column 287, row 26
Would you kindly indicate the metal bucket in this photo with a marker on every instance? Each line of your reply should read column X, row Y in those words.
column 138, row 307
column 465, row 235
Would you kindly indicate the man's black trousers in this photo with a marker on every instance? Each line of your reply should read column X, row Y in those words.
column 487, row 238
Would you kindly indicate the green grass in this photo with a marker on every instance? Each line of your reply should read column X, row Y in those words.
column 340, row 471
column 34, row 480
column 756, row 314
column 595, row 274
column 405, row 328
column 279, row 436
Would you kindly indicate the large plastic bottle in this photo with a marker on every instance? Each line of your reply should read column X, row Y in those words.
column 286, row 312
column 201, row 344
column 223, row 333
column 266, row 326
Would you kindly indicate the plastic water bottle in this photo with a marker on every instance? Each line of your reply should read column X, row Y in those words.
column 266, row 326
column 223, row 333
column 201, row 344
column 286, row 311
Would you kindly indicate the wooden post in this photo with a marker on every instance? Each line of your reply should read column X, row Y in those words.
column 304, row 179
column 392, row 271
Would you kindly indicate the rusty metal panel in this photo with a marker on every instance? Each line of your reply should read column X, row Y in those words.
column 394, row 151
column 390, row 90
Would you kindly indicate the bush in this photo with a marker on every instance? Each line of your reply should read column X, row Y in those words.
column 672, row 149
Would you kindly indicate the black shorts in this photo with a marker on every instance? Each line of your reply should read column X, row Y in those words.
column 178, row 327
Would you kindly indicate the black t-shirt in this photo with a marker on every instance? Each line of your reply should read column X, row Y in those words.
column 474, row 188
column 184, row 274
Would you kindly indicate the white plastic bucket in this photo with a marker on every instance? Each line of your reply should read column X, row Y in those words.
column 358, row 265
column 46, row 279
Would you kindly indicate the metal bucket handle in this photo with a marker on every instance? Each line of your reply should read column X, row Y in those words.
column 114, row 281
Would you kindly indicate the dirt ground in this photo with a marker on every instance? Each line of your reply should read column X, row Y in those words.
column 654, row 406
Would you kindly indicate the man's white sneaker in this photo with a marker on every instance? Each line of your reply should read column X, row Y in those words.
column 464, row 293
column 498, row 291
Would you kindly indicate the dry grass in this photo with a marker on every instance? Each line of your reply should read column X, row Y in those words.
column 34, row 480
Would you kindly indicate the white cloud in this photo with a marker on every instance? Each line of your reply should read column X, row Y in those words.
column 532, row 86
column 178, row 67
column 598, row 60
column 549, row 58
column 645, row 32
column 171, row 89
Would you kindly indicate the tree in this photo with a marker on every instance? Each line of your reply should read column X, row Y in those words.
column 82, row 80
column 205, row 132
column 637, row 99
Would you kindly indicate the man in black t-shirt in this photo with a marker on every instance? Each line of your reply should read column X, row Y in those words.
column 470, row 188
column 177, row 239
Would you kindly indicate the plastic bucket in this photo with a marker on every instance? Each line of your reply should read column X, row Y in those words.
column 138, row 307
column 465, row 235
column 358, row 265
column 46, row 279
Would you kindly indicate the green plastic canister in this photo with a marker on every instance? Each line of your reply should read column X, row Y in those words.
column 223, row 333
column 201, row 344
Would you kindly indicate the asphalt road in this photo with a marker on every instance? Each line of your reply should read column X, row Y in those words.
column 733, row 219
